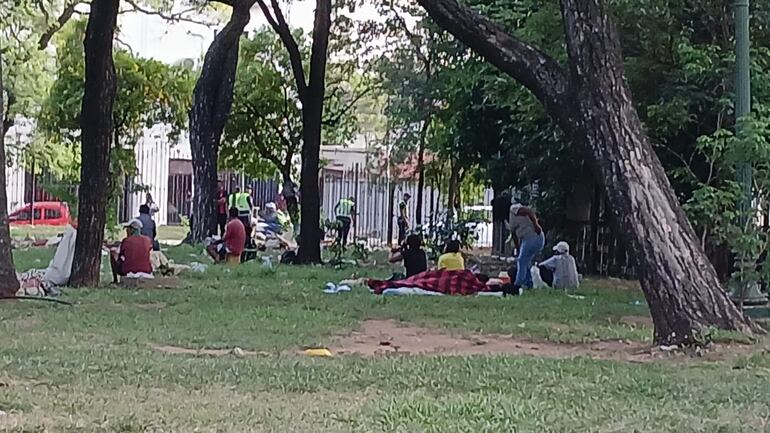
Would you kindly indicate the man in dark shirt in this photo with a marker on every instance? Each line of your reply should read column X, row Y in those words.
column 148, row 226
column 233, row 242
column 133, row 255
column 411, row 253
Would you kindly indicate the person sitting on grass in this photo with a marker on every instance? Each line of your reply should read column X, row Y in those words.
column 411, row 253
column 233, row 242
column 133, row 254
column 452, row 259
column 560, row 271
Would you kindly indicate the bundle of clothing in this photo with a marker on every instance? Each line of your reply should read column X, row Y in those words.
column 441, row 281
column 47, row 282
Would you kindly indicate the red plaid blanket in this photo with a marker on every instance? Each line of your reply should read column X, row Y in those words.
column 442, row 281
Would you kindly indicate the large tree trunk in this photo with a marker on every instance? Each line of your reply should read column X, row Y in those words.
column 96, row 142
column 592, row 103
column 212, row 100
column 312, row 113
column 8, row 282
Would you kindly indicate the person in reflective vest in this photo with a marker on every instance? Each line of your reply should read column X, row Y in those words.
column 346, row 216
column 242, row 202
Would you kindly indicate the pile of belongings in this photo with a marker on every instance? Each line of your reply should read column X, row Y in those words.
column 46, row 282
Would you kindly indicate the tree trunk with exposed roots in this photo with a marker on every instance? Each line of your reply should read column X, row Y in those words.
column 592, row 103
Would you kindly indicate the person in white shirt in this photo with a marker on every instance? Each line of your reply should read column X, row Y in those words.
column 561, row 268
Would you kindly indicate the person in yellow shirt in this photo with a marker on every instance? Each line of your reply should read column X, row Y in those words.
column 452, row 260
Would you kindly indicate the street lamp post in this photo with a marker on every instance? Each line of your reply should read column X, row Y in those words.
column 744, row 294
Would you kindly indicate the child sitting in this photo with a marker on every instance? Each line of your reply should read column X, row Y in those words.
column 452, row 260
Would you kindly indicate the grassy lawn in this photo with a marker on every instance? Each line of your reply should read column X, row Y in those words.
column 93, row 368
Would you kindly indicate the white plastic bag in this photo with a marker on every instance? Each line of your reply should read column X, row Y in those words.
column 537, row 281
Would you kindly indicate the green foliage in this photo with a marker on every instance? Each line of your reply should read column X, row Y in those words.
column 148, row 93
column 713, row 205
column 263, row 135
column 443, row 229
column 27, row 70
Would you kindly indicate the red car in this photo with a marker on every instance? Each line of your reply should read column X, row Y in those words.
column 46, row 213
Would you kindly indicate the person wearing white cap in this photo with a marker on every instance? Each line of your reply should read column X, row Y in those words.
column 561, row 267
column 133, row 255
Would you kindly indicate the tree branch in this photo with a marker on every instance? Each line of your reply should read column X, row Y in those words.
column 173, row 17
column 277, row 21
column 344, row 110
column 254, row 112
column 534, row 69
column 65, row 16
column 413, row 39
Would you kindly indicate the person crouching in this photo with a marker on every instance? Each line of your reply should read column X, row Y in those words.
column 233, row 242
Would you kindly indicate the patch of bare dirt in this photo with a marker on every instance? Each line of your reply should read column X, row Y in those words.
column 236, row 351
column 388, row 337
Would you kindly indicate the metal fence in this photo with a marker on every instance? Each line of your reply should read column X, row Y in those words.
column 377, row 198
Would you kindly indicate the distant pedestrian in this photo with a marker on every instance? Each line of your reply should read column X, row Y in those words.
column 290, row 195
column 403, row 218
column 221, row 205
column 149, row 228
column 151, row 204
column 346, row 216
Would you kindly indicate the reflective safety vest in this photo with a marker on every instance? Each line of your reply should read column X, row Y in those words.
column 240, row 200
column 345, row 207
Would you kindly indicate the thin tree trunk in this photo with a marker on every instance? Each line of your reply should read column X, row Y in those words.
column 312, row 114
column 592, row 103
column 452, row 193
column 421, row 172
column 391, row 198
column 8, row 282
column 96, row 142
column 212, row 100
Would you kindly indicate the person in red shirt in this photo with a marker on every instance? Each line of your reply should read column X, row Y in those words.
column 133, row 255
column 233, row 242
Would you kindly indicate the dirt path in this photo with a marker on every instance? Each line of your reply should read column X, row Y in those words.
column 392, row 338
column 388, row 337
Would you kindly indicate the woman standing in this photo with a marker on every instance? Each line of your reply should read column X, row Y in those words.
column 529, row 238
